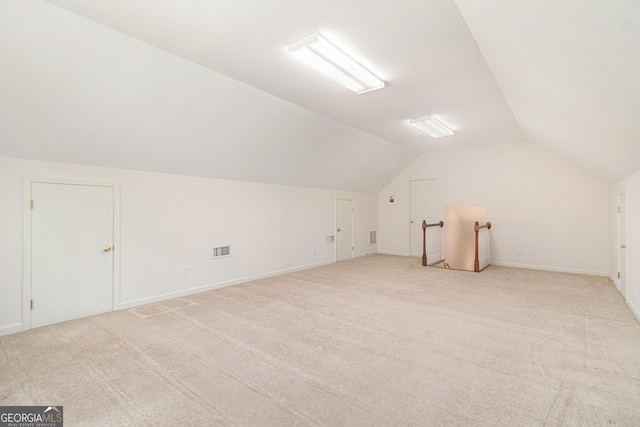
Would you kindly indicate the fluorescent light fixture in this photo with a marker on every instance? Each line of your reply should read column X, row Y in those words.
column 431, row 126
column 316, row 51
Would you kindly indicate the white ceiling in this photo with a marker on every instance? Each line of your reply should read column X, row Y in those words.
column 206, row 87
column 570, row 70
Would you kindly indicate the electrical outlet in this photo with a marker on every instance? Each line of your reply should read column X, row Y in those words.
column 519, row 252
column 313, row 251
column 185, row 270
column 567, row 255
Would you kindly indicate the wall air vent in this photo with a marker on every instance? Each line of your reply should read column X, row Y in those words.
column 330, row 239
column 373, row 238
column 221, row 252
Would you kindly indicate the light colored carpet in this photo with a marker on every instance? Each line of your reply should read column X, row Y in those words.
column 378, row 340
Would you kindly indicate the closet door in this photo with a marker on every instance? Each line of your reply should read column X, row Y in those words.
column 72, row 234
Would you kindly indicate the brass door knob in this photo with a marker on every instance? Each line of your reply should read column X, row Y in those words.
column 622, row 246
column 106, row 248
column 339, row 230
column 411, row 221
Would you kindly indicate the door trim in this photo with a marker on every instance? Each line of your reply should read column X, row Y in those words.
column 621, row 253
column 26, row 239
column 353, row 227
column 437, row 209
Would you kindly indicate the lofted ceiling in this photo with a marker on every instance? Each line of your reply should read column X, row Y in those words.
column 206, row 87
column 570, row 71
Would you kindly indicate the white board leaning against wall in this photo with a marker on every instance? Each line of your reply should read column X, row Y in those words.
column 459, row 235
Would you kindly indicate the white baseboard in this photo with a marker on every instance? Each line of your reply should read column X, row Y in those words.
column 547, row 268
column 177, row 294
column 393, row 253
column 616, row 282
column 10, row 329
column 634, row 310
column 17, row 327
column 361, row 254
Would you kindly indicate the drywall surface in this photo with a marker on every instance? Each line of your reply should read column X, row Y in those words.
column 171, row 221
column 540, row 207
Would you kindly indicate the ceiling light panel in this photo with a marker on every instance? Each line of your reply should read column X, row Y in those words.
column 316, row 51
column 431, row 126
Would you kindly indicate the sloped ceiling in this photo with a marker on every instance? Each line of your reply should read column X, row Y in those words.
column 206, row 87
column 570, row 71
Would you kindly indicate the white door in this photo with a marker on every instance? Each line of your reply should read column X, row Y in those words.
column 72, row 234
column 622, row 255
column 423, row 208
column 344, row 229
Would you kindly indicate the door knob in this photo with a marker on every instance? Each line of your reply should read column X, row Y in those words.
column 622, row 246
column 339, row 230
column 106, row 248
column 411, row 221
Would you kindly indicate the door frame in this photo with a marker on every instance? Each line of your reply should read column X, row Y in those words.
column 26, row 239
column 438, row 213
column 353, row 227
column 621, row 253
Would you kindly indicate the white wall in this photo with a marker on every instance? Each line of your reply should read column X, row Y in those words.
column 630, row 185
column 168, row 221
column 534, row 201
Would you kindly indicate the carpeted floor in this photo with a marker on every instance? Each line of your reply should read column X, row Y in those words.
column 378, row 340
